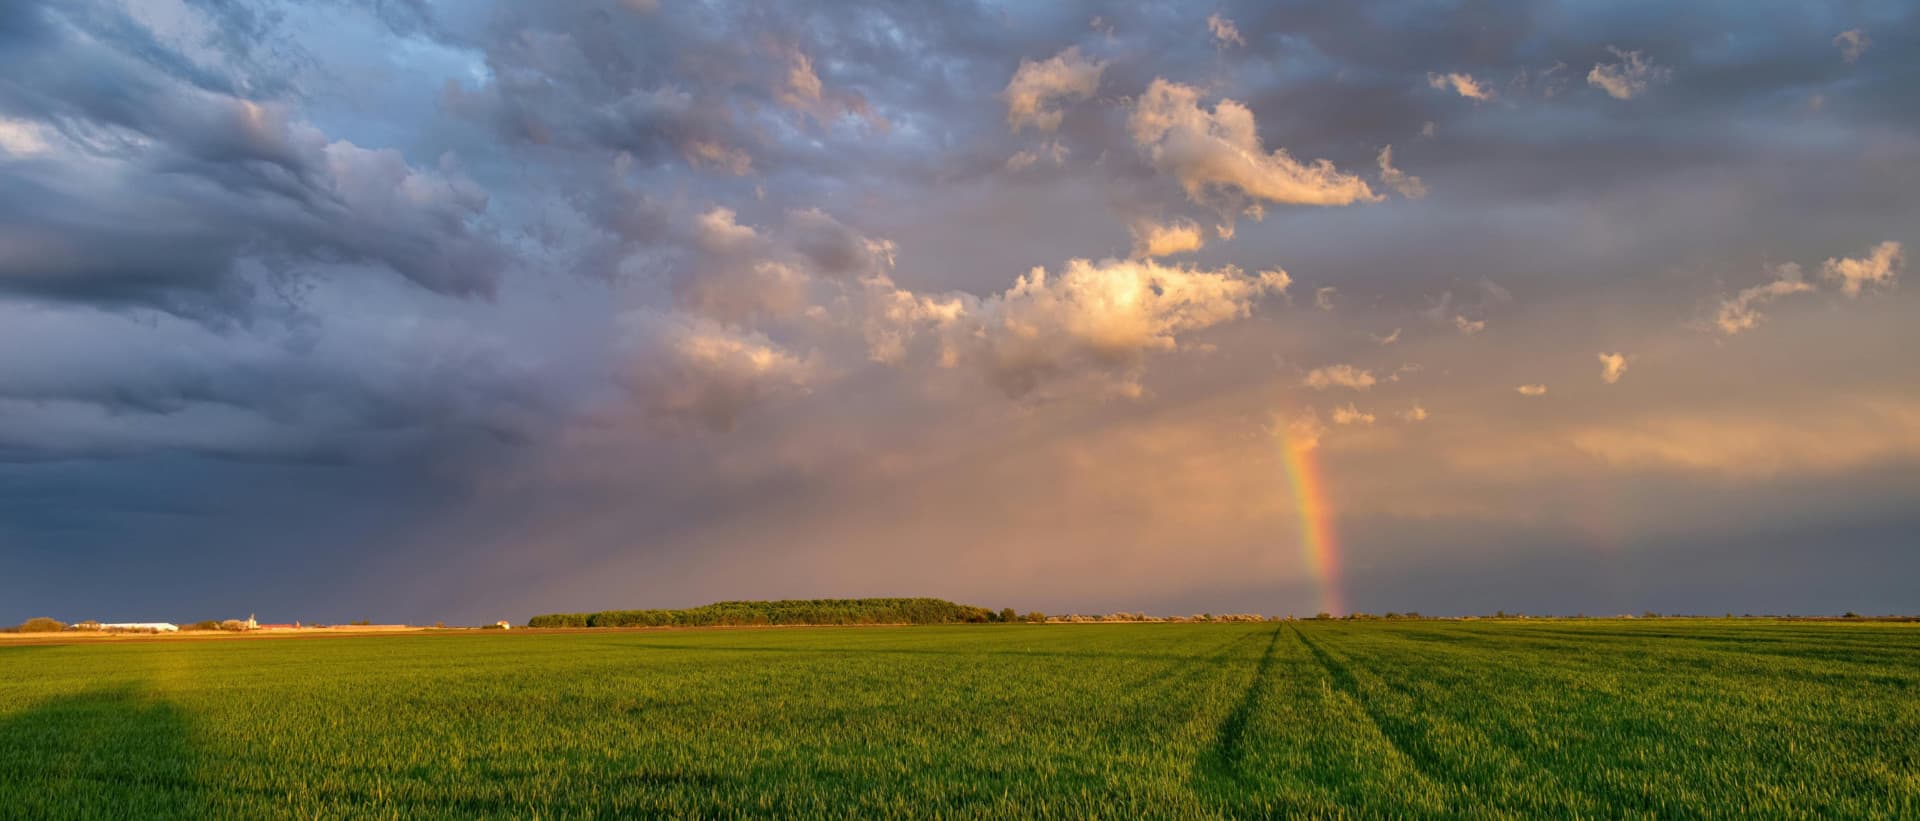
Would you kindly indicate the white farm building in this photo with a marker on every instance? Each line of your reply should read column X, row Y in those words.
column 143, row 627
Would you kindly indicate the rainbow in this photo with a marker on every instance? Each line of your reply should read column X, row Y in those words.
column 1317, row 539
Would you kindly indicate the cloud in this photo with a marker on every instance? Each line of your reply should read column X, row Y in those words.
column 1389, row 338
column 800, row 89
column 1323, row 297
column 1339, row 376
column 1350, row 415
column 1098, row 318
column 712, row 154
column 1852, row 43
column 1414, row 414
column 894, row 315
column 1302, row 430
column 1879, row 267
column 1531, row 390
column 1741, row 313
column 692, row 369
column 1225, row 33
column 1037, row 87
column 834, row 250
column 1218, row 159
column 1152, row 239
column 1612, row 367
column 1276, row 281
column 1054, row 151
column 1408, row 185
column 1847, row 433
column 1462, row 84
column 1629, row 77
column 21, row 138
column 1468, row 327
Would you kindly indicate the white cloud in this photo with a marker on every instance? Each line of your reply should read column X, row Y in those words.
column 1390, row 338
column 1468, row 327
column 1037, row 86
column 1323, row 297
column 1852, row 43
column 1339, row 376
column 1532, row 390
column 1408, row 185
column 1612, row 367
column 1879, row 267
column 1152, row 239
column 1225, row 33
column 1218, row 159
column 1629, row 77
column 1415, row 413
column 1741, row 313
column 1462, row 84
column 1350, row 415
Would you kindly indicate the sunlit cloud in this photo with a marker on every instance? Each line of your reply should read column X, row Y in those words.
column 1612, row 367
column 1879, row 267
column 1742, row 312
column 1349, row 415
column 1218, row 158
column 1154, row 239
column 1225, row 33
column 1531, row 390
column 1461, row 84
column 1407, row 185
column 1852, row 43
column 1339, row 376
column 1628, row 78
column 1038, row 87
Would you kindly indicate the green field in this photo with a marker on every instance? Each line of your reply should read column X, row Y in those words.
column 1480, row 719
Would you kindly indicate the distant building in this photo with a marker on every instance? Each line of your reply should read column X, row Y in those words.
column 503, row 625
column 143, row 627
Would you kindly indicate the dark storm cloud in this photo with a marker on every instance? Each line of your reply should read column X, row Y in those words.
column 157, row 179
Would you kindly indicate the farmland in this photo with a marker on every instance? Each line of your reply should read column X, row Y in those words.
column 1515, row 719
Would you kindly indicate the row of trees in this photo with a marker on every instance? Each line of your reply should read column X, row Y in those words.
column 787, row 611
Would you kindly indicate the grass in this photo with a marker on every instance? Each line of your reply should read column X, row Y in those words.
column 1475, row 719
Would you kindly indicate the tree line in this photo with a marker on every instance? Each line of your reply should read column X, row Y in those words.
column 785, row 611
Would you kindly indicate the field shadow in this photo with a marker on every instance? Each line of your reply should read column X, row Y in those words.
column 112, row 752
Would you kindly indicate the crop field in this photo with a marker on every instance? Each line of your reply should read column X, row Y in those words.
column 1481, row 719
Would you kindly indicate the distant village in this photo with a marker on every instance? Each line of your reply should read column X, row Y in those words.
column 250, row 624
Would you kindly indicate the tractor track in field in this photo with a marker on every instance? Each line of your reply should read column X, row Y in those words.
column 1389, row 730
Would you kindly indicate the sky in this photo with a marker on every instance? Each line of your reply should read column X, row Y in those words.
column 408, row 310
